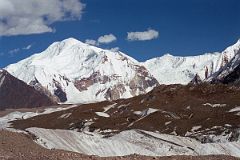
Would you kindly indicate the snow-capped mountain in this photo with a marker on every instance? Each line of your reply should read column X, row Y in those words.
column 75, row 72
column 170, row 69
column 17, row 94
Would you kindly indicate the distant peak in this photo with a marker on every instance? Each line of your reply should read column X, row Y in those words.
column 167, row 55
column 66, row 43
column 233, row 47
column 71, row 40
column 238, row 42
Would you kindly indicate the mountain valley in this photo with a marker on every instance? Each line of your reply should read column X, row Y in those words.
column 118, row 106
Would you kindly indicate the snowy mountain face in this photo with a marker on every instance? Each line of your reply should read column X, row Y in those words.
column 230, row 73
column 17, row 94
column 170, row 69
column 75, row 72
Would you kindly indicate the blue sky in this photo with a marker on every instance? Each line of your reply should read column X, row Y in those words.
column 185, row 27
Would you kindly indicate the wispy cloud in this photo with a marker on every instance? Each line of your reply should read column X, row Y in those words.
column 115, row 49
column 26, row 17
column 91, row 42
column 143, row 36
column 14, row 51
column 105, row 39
column 27, row 47
column 17, row 50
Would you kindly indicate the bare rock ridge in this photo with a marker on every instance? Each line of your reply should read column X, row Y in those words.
column 17, row 94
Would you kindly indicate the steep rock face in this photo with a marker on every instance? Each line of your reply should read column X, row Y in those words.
column 170, row 69
column 75, row 72
column 16, row 94
column 233, row 77
column 196, row 80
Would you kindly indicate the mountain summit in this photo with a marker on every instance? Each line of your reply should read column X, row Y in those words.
column 76, row 72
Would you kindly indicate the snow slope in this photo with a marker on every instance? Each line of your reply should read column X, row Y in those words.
column 130, row 142
column 76, row 72
column 170, row 69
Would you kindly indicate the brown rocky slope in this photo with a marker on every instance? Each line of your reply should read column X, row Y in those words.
column 204, row 112
column 17, row 94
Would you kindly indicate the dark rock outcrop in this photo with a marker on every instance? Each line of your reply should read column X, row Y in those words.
column 14, row 93
column 196, row 80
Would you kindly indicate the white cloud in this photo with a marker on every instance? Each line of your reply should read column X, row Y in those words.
column 107, row 39
column 13, row 51
column 16, row 50
column 143, row 36
column 23, row 17
column 115, row 49
column 91, row 42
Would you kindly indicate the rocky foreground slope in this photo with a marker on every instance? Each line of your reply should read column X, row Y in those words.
column 15, row 93
column 179, row 117
column 16, row 146
column 199, row 112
